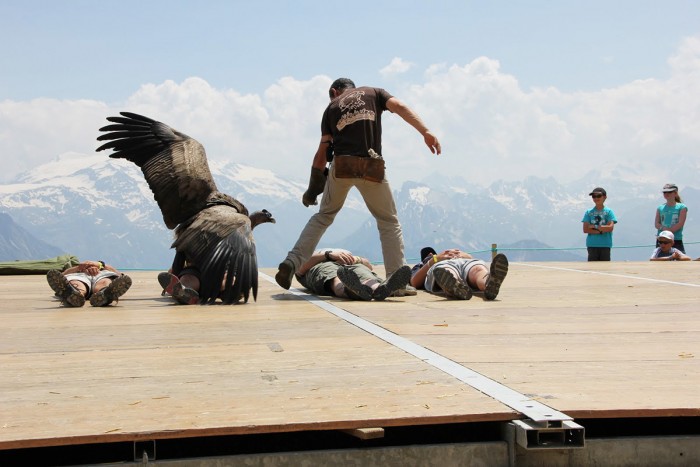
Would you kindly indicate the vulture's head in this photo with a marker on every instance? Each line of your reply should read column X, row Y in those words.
column 260, row 217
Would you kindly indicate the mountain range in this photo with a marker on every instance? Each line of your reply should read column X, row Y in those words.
column 97, row 208
column 16, row 242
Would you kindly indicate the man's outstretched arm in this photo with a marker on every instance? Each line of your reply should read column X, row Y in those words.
column 402, row 110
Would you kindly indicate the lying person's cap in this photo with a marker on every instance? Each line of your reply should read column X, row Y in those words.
column 598, row 190
column 667, row 234
column 428, row 250
column 669, row 187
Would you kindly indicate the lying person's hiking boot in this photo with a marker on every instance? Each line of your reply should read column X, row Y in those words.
column 451, row 285
column 167, row 281
column 497, row 272
column 53, row 277
column 398, row 280
column 185, row 295
column 74, row 298
column 112, row 292
column 285, row 272
column 355, row 289
column 68, row 294
column 407, row 291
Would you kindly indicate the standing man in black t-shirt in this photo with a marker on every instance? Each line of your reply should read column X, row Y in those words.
column 352, row 124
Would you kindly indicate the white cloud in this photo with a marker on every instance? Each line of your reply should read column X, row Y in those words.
column 278, row 130
column 396, row 67
column 490, row 128
column 33, row 132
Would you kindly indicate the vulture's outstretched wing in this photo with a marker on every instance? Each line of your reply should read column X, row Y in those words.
column 214, row 232
column 219, row 241
column 174, row 165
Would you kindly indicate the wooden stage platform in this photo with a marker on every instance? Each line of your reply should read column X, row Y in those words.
column 592, row 341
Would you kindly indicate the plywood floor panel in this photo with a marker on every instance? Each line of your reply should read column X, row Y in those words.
column 600, row 340
column 589, row 338
column 148, row 369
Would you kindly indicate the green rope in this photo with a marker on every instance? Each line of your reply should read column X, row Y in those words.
column 570, row 249
column 497, row 249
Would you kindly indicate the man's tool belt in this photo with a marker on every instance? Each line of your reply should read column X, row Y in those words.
column 369, row 168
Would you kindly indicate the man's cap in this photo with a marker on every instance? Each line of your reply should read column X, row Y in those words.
column 667, row 234
column 428, row 250
column 669, row 187
column 598, row 190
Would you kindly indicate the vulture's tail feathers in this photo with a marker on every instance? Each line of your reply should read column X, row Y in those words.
column 216, row 271
column 234, row 268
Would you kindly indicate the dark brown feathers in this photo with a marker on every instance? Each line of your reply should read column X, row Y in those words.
column 174, row 165
column 213, row 230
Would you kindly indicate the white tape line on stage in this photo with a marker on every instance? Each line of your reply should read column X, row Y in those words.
column 513, row 399
column 603, row 273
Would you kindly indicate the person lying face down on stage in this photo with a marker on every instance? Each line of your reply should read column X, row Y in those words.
column 183, row 281
column 458, row 274
column 101, row 283
column 339, row 273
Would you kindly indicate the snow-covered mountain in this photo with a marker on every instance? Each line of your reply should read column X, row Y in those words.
column 16, row 242
column 99, row 208
column 535, row 219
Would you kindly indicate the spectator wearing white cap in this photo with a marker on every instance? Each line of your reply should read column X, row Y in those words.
column 671, row 215
column 666, row 251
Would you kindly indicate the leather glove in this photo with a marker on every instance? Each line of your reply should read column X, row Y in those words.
column 317, row 182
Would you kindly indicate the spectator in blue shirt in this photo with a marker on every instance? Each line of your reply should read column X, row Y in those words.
column 671, row 215
column 598, row 225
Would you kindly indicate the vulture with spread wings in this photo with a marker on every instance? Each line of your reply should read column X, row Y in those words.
column 213, row 231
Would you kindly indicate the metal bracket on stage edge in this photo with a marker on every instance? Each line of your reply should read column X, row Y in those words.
column 553, row 434
column 144, row 451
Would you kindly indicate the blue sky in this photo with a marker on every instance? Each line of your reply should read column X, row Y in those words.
column 524, row 84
